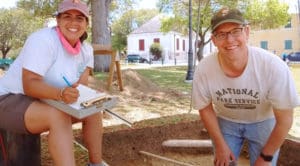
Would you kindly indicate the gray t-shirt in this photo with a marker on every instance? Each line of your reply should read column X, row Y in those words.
column 266, row 83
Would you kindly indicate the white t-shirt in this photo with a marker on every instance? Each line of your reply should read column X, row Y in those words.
column 44, row 54
column 266, row 83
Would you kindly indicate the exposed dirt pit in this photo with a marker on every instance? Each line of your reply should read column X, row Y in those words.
column 142, row 144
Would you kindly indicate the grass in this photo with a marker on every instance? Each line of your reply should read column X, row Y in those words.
column 101, row 75
column 168, row 77
column 165, row 77
column 174, row 77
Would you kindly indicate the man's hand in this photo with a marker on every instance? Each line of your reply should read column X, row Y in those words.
column 223, row 156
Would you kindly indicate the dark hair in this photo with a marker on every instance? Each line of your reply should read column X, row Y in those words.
column 57, row 15
column 83, row 37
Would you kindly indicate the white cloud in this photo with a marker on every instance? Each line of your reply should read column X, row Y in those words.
column 8, row 3
column 148, row 4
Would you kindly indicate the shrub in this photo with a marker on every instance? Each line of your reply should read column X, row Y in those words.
column 156, row 50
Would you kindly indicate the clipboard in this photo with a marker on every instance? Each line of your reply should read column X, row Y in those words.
column 89, row 102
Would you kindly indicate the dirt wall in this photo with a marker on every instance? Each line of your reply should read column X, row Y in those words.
column 125, row 145
column 289, row 153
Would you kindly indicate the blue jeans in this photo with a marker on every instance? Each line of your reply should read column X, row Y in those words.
column 257, row 135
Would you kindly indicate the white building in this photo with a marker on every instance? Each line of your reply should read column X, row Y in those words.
column 175, row 45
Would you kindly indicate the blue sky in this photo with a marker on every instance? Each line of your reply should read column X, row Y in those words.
column 143, row 3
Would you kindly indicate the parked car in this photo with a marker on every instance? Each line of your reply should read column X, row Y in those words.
column 294, row 56
column 5, row 63
column 136, row 58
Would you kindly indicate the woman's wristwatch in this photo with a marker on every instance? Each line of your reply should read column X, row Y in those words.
column 267, row 158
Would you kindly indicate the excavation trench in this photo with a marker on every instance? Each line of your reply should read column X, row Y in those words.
column 144, row 146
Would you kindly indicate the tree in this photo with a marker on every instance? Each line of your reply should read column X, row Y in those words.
column 104, row 12
column 272, row 14
column 126, row 24
column 101, row 28
column 40, row 8
column 15, row 26
column 101, row 31
column 156, row 50
column 261, row 14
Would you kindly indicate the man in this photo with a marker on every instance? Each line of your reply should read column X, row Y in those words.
column 243, row 93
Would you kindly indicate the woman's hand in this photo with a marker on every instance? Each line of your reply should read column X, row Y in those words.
column 69, row 94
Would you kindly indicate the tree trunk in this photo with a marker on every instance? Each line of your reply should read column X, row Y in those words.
column 200, row 51
column 101, row 33
column 4, row 50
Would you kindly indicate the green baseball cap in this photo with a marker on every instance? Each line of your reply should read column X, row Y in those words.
column 226, row 15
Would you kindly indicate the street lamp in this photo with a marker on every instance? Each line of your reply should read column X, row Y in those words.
column 190, row 71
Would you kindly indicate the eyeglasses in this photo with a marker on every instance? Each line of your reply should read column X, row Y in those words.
column 236, row 32
column 68, row 17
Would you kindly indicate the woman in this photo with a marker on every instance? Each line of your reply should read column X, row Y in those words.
column 47, row 56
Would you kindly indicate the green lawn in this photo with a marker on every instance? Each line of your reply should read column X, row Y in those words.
column 168, row 77
column 165, row 77
column 174, row 77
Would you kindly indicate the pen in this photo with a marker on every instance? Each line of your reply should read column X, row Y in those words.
column 67, row 82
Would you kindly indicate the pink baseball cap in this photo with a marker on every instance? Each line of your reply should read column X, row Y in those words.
column 73, row 5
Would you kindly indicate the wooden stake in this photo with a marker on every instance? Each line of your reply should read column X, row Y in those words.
column 107, row 50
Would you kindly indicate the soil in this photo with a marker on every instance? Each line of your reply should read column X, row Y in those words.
column 157, row 115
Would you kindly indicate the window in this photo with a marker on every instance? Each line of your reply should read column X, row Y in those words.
column 141, row 45
column 156, row 40
column 183, row 45
column 288, row 44
column 177, row 44
column 264, row 44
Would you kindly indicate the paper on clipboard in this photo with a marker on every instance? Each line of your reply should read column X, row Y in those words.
column 86, row 94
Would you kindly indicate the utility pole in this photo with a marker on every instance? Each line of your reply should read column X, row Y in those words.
column 298, row 9
column 190, row 71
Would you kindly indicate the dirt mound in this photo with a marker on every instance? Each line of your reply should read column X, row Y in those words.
column 142, row 99
column 138, row 86
column 133, row 81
